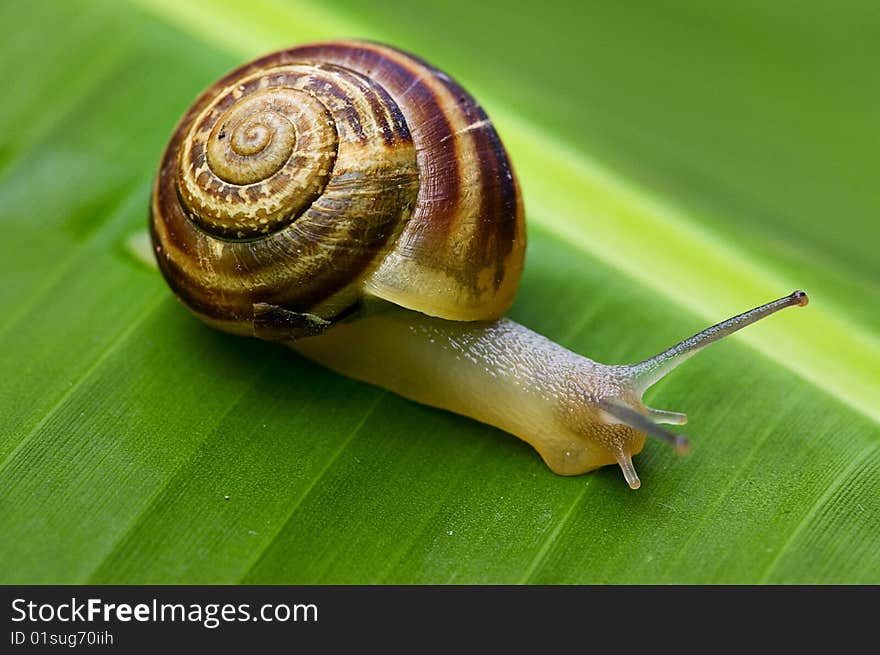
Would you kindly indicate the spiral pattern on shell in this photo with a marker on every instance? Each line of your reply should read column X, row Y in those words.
column 313, row 175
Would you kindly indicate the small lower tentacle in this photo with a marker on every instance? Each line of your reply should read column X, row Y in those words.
column 629, row 471
column 664, row 416
column 641, row 423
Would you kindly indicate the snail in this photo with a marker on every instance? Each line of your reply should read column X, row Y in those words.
column 352, row 201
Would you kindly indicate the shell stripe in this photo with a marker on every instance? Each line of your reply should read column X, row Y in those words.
column 463, row 249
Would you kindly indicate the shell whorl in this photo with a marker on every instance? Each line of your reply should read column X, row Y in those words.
column 254, row 161
column 313, row 175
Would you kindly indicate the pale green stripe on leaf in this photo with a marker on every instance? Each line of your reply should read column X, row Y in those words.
column 577, row 198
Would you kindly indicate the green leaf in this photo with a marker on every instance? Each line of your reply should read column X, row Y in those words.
column 679, row 165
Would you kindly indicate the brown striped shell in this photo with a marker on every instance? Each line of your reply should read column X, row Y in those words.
column 312, row 176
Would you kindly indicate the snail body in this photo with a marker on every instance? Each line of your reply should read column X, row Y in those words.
column 352, row 201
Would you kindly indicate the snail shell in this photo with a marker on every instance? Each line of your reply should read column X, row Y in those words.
column 313, row 175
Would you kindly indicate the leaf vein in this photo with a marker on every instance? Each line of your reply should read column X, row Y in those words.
column 261, row 553
column 153, row 303
column 830, row 490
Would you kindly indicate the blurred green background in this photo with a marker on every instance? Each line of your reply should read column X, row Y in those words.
column 681, row 162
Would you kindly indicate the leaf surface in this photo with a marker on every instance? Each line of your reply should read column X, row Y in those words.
column 678, row 167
